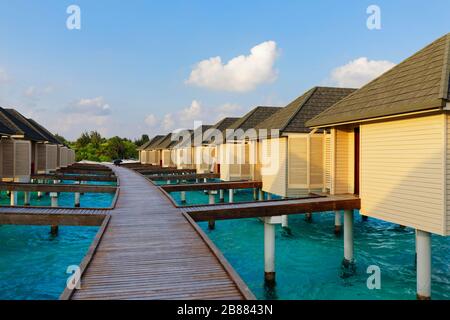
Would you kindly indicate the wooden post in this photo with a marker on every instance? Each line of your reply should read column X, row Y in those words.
column 211, row 223
column 269, row 253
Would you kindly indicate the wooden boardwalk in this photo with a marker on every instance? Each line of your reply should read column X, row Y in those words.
column 152, row 250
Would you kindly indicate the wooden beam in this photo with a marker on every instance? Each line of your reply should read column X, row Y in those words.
column 185, row 176
column 52, row 219
column 84, row 171
column 35, row 187
column 165, row 171
column 270, row 209
column 74, row 177
column 212, row 186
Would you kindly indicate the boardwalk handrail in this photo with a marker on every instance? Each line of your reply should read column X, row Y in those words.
column 272, row 208
column 212, row 186
column 69, row 177
column 184, row 176
column 59, row 187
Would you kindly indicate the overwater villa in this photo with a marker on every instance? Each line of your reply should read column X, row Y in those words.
column 293, row 164
column 390, row 145
column 236, row 161
column 212, row 139
column 147, row 150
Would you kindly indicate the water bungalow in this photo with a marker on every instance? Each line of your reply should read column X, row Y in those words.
column 293, row 164
column 390, row 144
column 164, row 151
column 235, row 153
column 210, row 147
column 147, row 149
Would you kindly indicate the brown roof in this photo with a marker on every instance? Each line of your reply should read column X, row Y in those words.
column 419, row 83
column 253, row 118
column 293, row 117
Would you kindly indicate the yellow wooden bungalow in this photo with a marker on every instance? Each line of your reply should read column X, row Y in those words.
column 208, row 154
column 163, row 152
column 145, row 151
column 235, row 153
column 390, row 144
column 291, row 162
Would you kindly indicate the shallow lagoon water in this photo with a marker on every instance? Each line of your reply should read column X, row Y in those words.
column 33, row 263
column 308, row 261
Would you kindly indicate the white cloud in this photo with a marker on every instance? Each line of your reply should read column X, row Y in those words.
column 151, row 120
column 92, row 106
column 358, row 72
column 168, row 123
column 228, row 110
column 240, row 74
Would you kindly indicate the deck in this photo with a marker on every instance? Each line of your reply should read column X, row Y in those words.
column 152, row 250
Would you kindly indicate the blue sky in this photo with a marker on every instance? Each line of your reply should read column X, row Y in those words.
column 126, row 71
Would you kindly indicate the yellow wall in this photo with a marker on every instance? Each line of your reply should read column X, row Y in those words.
column 274, row 166
column 402, row 172
column 342, row 160
column 22, row 159
column 231, row 156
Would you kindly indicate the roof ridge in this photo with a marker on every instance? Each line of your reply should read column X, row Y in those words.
column 309, row 95
column 27, row 123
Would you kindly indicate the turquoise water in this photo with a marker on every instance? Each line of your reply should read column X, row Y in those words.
column 200, row 197
column 308, row 261
column 33, row 263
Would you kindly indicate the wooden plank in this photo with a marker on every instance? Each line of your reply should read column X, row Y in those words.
column 59, row 187
column 83, row 171
column 212, row 186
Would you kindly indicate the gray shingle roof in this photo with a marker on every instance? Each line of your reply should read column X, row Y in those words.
column 421, row 82
column 293, row 117
column 20, row 122
column 150, row 142
column 221, row 126
column 253, row 118
column 43, row 131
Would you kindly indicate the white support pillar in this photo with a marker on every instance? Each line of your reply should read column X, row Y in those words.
column 269, row 196
column 221, row 195
column 211, row 223
column 285, row 221
column 39, row 194
column 77, row 199
column 231, row 196
column 337, row 222
column 348, row 238
column 183, row 197
column 26, row 198
column 14, row 198
column 260, row 195
column 54, row 199
column 255, row 194
column 423, row 247
column 269, row 252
